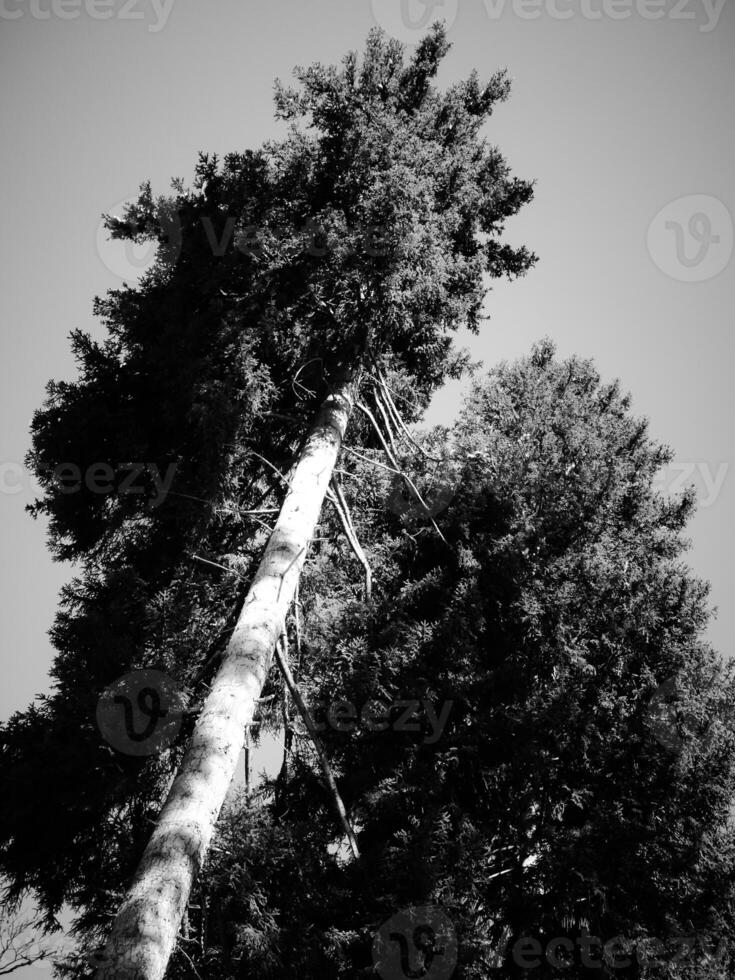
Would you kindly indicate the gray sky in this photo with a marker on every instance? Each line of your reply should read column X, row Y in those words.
column 621, row 109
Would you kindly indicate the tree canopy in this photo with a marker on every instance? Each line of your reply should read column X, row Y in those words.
column 362, row 238
column 524, row 721
column 557, row 801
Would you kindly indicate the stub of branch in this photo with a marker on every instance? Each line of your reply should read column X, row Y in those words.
column 318, row 747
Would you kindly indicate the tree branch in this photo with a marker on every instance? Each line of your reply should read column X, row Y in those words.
column 391, row 405
column 318, row 747
column 401, row 472
column 337, row 498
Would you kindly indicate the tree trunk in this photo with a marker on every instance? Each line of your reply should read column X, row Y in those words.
column 145, row 929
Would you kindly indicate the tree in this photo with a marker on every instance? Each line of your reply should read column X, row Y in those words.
column 356, row 245
column 581, row 783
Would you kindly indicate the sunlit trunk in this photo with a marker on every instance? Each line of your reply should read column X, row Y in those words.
column 145, row 929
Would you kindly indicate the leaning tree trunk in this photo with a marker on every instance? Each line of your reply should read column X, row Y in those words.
column 145, row 929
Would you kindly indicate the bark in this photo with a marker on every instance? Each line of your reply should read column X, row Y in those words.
column 144, row 932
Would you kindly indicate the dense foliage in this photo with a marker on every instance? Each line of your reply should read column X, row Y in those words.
column 582, row 783
column 361, row 238
column 525, row 723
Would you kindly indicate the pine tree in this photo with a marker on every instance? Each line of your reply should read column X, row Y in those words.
column 287, row 280
column 581, row 783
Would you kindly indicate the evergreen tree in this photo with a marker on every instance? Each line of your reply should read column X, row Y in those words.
column 572, row 812
column 287, row 280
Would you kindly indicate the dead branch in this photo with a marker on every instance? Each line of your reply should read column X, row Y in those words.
column 386, row 421
column 402, row 473
column 271, row 466
column 216, row 564
column 403, row 398
column 190, row 961
column 340, row 505
column 296, row 381
column 297, row 625
column 247, row 747
column 391, row 405
column 318, row 747
column 375, row 462
column 341, row 472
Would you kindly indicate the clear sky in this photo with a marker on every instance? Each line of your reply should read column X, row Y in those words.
column 621, row 110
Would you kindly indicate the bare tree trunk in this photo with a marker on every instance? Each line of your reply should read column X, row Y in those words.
column 144, row 932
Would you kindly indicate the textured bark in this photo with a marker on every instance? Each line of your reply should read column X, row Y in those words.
column 145, row 929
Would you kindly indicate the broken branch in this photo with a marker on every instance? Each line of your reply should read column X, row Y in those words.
column 316, row 742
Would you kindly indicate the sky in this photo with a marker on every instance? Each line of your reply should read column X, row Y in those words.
column 621, row 110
